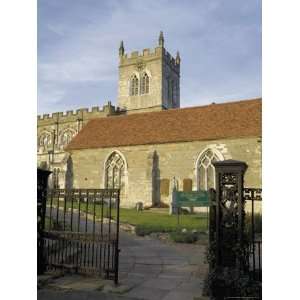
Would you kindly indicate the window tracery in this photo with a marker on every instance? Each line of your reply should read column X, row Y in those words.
column 145, row 84
column 114, row 172
column 134, row 86
column 66, row 136
column 206, row 171
column 45, row 139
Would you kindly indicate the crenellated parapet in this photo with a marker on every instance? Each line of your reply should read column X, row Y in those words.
column 148, row 54
column 79, row 114
column 145, row 55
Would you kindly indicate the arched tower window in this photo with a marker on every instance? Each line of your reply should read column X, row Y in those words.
column 145, row 84
column 206, row 171
column 115, row 172
column 66, row 136
column 134, row 86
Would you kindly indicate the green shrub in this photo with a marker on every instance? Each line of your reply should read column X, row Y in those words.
column 183, row 237
column 142, row 230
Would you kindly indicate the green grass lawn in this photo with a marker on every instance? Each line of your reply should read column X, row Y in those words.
column 148, row 220
column 163, row 221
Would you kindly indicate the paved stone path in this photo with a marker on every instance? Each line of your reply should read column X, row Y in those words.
column 149, row 269
column 156, row 270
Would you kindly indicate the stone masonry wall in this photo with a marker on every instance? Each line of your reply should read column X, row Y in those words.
column 160, row 67
column 138, row 64
column 55, row 125
column 173, row 160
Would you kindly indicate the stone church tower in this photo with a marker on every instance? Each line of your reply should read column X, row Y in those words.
column 150, row 80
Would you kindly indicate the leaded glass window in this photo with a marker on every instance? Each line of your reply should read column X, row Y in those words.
column 134, row 86
column 145, row 84
column 114, row 172
column 45, row 139
column 206, row 171
column 66, row 137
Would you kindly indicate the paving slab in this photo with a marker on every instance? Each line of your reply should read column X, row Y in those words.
column 77, row 283
column 147, row 293
column 178, row 295
column 149, row 260
column 174, row 276
column 163, row 283
column 48, row 294
column 194, row 286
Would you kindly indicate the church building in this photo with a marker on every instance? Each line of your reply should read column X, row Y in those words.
column 147, row 143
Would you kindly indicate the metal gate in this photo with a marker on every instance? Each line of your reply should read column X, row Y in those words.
column 82, row 231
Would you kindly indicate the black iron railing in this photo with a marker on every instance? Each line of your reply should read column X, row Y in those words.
column 82, row 231
column 42, row 180
column 253, row 199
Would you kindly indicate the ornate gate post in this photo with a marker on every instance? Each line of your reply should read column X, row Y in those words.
column 230, row 214
column 42, row 180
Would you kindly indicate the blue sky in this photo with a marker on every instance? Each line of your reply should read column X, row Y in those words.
column 219, row 42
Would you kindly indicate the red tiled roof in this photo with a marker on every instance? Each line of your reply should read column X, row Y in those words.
column 210, row 122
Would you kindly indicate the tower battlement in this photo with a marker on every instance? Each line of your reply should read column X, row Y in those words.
column 149, row 54
column 145, row 54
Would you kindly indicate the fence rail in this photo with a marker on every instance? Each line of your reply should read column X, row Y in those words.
column 82, row 231
column 254, row 197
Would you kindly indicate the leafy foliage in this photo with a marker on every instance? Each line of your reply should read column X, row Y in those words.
column 184, row 237
column 146, row 229
column 227, row 282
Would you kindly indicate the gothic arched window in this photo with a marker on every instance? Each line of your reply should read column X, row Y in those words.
column 45, row 139
column 114, row 172
column 66, row 136
column 134, row 86
column 145, row 84
column 206, row 171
